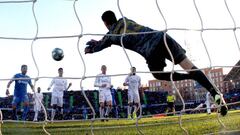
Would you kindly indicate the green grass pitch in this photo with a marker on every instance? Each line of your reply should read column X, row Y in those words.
column 195, row 124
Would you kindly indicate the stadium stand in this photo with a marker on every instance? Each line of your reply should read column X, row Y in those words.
column 75, row 106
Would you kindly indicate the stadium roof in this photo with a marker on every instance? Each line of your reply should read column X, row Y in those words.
column 234, row 73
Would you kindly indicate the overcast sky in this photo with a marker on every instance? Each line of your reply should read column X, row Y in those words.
column 57, row 18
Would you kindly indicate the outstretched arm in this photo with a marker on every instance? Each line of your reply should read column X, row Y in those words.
column 139, row 83
column 8, row 85
column 49, row 87
column 126, row 81
column 69, row 85
column 31, row 85
column 96, row 46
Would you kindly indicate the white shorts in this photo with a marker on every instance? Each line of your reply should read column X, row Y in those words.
column 105, row 96
column 133, row 96
column 37, row 107
column 57, row 101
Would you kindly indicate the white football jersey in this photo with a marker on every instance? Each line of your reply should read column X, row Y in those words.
column 103, row 79
column 134, row 82
column 37, row 105
column 208, row 97
column 39, row 96
column 60, row 85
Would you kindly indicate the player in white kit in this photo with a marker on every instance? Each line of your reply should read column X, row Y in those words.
column 37, row 103
column 133, row 82
column 103, row 82
column 208, row 102
column 60, row 85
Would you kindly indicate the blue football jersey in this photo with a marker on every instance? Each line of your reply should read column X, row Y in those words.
column 20, row 89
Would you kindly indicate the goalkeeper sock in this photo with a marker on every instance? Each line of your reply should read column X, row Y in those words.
column 201, row 78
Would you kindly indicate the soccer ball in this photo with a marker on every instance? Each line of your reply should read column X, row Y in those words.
column 57, row 54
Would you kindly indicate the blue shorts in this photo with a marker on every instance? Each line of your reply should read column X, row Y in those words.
column 17, row 100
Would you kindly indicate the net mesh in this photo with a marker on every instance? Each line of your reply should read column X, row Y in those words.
column 195, row 6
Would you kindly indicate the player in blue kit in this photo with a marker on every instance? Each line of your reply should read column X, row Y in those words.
column 20, row 92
